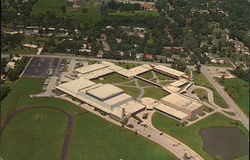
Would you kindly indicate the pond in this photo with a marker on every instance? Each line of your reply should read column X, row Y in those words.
column 226, row 143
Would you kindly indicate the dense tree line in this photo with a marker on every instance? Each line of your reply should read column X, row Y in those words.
column 5, row 89
column 240, row 73
column 9, row 41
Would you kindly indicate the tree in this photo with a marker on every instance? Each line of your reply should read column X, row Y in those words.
column 222, row 80
column 63, row 8
column 198, row 68
column 4, row 90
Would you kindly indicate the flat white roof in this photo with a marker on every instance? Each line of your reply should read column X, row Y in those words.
column 97, row 73
column 180, row 100
column 135, row 71
column 90, row 68
column 117, row 99
column 169, row 70
column 129, row 107
column 172, row 88
column 105, row 91
column 76, row 85
column 179, row 83
column 169, row 110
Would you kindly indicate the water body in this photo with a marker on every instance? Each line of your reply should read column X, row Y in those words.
column 227, row 143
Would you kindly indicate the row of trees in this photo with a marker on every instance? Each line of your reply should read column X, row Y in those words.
column 20, row 66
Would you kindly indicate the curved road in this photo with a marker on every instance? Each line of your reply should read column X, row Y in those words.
column 243, row 118
column 68, row 131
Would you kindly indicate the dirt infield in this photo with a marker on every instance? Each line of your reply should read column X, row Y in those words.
column 68, row 131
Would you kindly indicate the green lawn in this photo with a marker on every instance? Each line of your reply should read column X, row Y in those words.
column 96, row 139
column 134, row 92
column 238, row 89
column 134, row 13
column 142, row 83
column 201, row 93
column 190, row 135
column 156, row 93
column 199, row 79
column 92, row 15
column 28, row 134
column 38, row 133
column 112, row 78
column 162, row 76
column 147, row 75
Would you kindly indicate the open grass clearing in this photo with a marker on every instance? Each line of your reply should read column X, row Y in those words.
column 201, row 93
column 238, row 90
column 154, row 92
column 111, row 78
column 94, row 138
column 190, row 135
column 134, row 92
column 162, row 76
column 147, row 75
column 92, row 15
column 28, row 133
column 199, row 79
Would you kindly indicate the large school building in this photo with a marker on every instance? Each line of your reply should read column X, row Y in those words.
column 105, row 97
column 119, row 105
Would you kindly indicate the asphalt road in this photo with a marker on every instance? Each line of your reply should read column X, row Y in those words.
column 243, row 118
column 92, row 59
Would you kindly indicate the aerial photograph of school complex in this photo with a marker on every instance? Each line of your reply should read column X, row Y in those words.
column 124, row 80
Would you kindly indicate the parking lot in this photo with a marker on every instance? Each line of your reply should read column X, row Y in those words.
column 38, row 67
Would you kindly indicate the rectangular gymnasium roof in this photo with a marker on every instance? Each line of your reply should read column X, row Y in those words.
column 180, row 100
column 169, row 110
column 76, row 85
column 117, row 99
column 105, row 91
column 169, row 70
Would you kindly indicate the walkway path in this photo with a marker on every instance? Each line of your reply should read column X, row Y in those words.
column 211, row 104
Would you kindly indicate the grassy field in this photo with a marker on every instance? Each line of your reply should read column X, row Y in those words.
column 156, row 93
column 31, row 131
column 112, row 78
column 238, row 89
column 95, row 139
column 134, row 13
column 134, row 92
column 162, row 76
column 147, row 75
column 28, row 133
column 202, row 94
column 190, row 135
column 199, row 79
column 92, row 15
